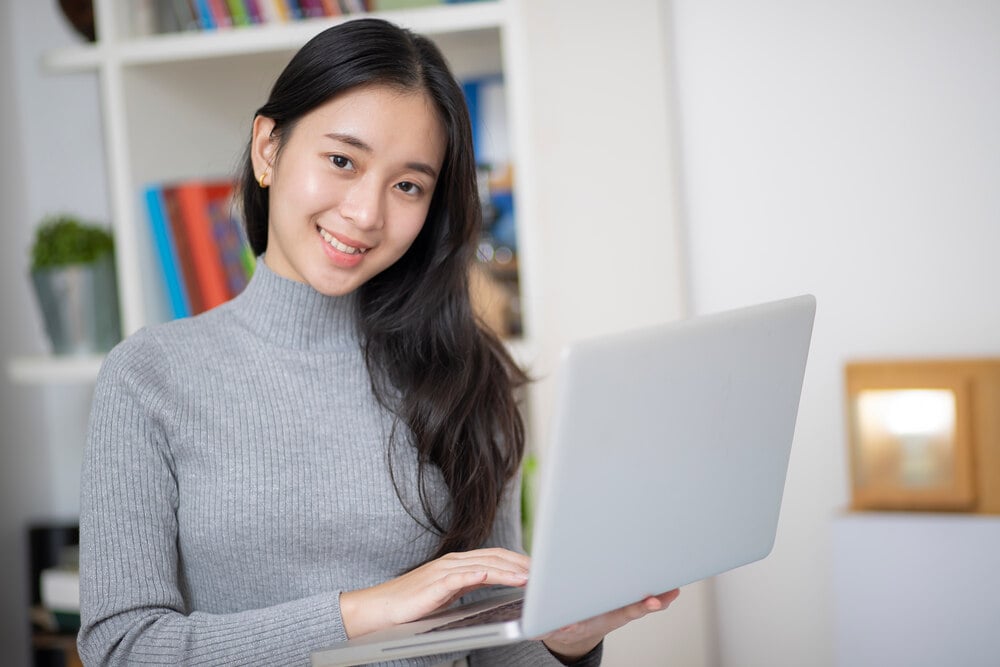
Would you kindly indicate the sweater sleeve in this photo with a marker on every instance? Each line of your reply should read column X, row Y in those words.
column 132, row 607
column 507, row 534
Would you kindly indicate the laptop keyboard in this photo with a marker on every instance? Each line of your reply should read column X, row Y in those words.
column 508, row 611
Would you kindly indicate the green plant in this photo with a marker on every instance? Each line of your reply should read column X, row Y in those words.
column 62, row 240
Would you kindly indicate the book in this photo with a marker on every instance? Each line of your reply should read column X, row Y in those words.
column 60, row 597
column 220, row 13
column 294, row 9
column 203, row 11
column 276, row 11
column 193, row 199
column 184, row 257
column 167, row 253
column 353, row 6
column 238, row 12
column 185, row 14
column 60, row 589
column 227, row 231
column 331, row 8
column 312, row 8
column 254, row 11
column 200, row 242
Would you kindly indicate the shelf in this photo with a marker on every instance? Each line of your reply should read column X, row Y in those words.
column 54, row 370
column 199, row 45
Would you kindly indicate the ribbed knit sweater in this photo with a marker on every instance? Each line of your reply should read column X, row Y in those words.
column 236, row 480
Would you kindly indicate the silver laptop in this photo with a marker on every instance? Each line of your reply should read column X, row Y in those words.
column 666, row 466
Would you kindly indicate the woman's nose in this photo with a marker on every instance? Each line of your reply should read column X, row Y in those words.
column 363, row 204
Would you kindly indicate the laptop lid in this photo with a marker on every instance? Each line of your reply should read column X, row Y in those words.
column 667, row 459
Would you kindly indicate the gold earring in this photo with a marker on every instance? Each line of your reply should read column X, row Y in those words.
column 262, row 177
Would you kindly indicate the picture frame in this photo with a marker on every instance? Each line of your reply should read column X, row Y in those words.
column 924, row 435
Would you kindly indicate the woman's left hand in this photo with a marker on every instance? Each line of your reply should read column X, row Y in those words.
column 577, row 640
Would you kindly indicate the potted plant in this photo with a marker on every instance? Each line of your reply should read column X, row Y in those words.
column 73, row 273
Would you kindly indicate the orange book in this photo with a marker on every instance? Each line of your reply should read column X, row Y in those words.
column 193, row 200
column 184, row 256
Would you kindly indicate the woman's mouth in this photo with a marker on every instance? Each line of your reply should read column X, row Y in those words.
column 339, row 245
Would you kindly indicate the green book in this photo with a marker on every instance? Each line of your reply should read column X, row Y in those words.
column 238, row 10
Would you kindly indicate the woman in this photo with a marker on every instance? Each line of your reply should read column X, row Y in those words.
column 336, row 449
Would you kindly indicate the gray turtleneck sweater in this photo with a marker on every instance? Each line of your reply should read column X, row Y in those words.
column 235, row 481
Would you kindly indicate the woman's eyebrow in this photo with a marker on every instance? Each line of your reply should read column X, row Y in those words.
column 350, row 140
column 354, row 141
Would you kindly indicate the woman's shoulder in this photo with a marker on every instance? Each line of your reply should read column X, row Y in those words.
column 157, row 348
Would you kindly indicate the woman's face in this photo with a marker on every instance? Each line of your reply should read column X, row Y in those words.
column 351, row 186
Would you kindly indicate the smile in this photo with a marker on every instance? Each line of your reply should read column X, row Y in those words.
column 342, row 247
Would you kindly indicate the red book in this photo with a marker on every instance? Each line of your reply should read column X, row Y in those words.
column 183, row 247
column 220, row 13
column 193, row 198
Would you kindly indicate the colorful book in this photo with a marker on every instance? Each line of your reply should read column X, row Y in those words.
column 166, row 250
column 311, row 9
column 353, row 6
column 275, row 10
column 183, row 245
column 331, row 8
column 204, row 13
column 238, row 12
column 268, row 11
column 294, row 9
column 253, row 10
column 226, row 232
column 185, row 14
column 193, row 198
column 220, row 13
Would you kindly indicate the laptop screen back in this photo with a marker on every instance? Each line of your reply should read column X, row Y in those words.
column 668, row 458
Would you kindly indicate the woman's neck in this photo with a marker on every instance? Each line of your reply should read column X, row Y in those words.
column 294, row 315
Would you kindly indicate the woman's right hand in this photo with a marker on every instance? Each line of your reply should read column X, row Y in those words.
column 430, row 587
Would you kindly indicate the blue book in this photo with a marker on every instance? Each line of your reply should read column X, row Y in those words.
column 166, row 250
column 204, row 12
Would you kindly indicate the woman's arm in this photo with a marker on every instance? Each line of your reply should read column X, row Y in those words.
column 132, row 607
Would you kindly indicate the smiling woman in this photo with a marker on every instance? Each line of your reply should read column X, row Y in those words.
column 336, row 450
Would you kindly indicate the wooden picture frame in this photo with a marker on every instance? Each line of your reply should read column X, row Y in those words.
column 924, row 435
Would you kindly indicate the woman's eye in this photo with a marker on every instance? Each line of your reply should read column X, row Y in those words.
column 341, row 162
column 408, row 187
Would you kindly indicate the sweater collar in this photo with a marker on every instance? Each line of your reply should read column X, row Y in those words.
column 293, row 314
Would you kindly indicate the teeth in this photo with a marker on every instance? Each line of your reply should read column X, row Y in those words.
column 350, row 250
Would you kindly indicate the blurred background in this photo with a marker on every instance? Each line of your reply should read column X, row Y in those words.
column 848, row 149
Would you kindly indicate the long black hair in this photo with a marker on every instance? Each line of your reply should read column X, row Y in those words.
column 446, row 376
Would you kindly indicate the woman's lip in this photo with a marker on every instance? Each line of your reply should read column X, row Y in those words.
column 346, row 240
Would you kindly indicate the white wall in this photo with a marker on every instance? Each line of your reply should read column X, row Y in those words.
column 849, row 149
column 52, row 161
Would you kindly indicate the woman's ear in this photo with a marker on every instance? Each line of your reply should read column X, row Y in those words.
column 262, row 149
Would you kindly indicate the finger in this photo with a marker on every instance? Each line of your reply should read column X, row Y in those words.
column 459, row 582
column 494, row 554
column 661, row 601
column 485, row 562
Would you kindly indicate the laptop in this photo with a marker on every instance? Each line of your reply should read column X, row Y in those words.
column 667, row 462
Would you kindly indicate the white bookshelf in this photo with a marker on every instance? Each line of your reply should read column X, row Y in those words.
column 442, row 22
column 49, row 369
column 179, row 105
